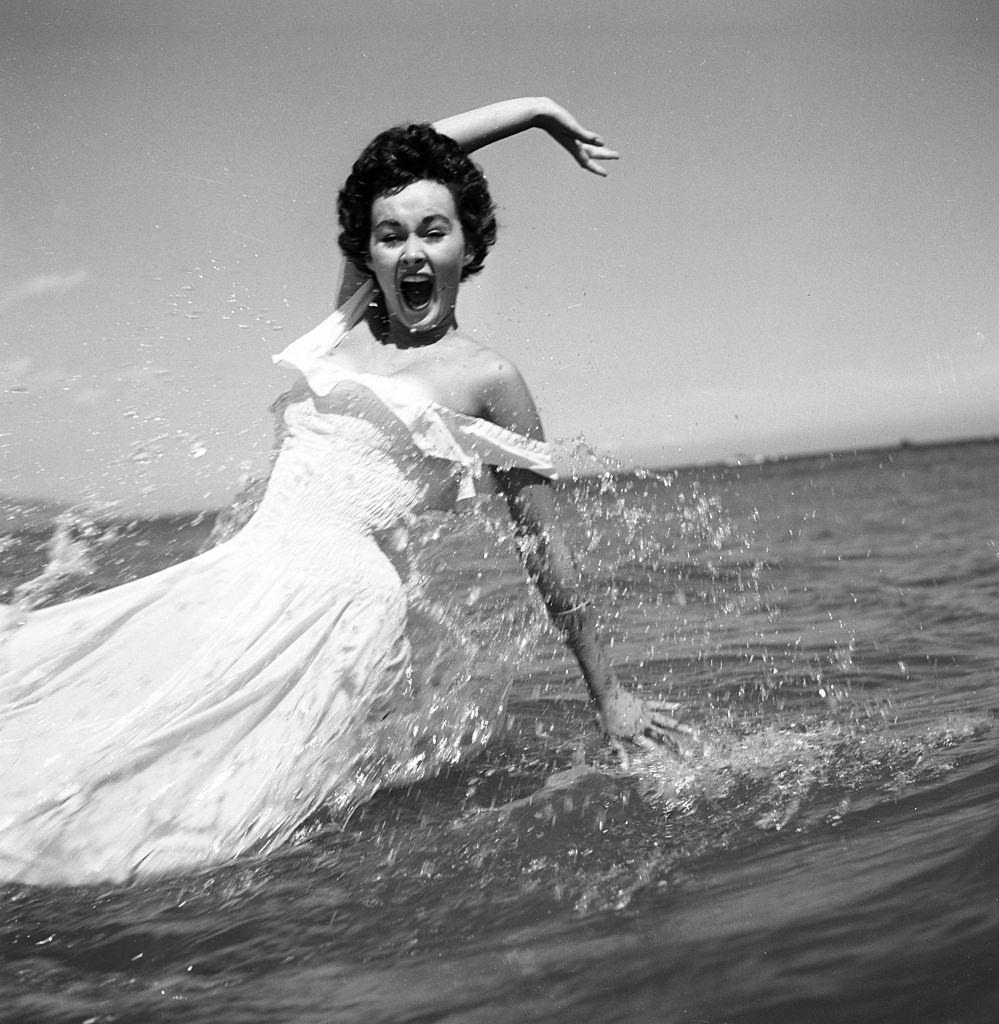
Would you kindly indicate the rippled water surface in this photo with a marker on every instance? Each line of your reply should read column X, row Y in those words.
column 832, row 855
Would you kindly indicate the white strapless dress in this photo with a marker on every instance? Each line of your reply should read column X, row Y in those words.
column 206, row 710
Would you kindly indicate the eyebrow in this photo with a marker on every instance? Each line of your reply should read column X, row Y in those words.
column 389, row 222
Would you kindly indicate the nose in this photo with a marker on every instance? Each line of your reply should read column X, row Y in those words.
column 412, row 251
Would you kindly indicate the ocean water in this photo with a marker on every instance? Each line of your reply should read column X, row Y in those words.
column 830, row 625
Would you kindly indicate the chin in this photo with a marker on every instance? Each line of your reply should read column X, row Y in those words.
column 423, row 319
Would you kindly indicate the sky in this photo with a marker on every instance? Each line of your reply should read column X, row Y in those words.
column 797, row 251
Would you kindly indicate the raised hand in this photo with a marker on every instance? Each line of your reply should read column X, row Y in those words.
column 485, row 125
column 586, row 147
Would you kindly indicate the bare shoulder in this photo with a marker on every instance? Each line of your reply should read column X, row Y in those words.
column 490, row 369
column 501, row 392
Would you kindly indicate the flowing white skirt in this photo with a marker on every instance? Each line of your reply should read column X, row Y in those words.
column 194, row 714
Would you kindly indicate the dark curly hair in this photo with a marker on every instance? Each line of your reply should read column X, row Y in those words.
column 398, row 157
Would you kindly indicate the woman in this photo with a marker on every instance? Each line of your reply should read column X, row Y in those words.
column 204, row 711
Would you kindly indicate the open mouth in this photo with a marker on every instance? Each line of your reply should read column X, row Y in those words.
column 417, row 292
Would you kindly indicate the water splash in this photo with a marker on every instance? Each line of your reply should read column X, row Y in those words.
column 675, row 577
column 69, row 561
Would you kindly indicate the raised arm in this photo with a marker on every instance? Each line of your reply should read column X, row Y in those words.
column 480, row 127
column 485, row 125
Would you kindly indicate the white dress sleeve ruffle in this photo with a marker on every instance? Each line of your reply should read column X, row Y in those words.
column 440, row 432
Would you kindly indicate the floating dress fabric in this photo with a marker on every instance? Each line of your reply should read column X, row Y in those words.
column 206, row 710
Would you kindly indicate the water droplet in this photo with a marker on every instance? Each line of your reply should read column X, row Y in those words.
column 144, row 456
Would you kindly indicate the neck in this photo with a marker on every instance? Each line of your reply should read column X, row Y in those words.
column 402, row 337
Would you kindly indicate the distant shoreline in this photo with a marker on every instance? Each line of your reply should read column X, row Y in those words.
column 18, row 513
column 751, row 461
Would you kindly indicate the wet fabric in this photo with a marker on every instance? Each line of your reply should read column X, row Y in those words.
column 205, row 710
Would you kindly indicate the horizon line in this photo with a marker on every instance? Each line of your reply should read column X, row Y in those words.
column 57, row 505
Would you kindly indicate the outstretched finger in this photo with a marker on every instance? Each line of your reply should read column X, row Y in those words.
column 664, row 707
column 594, row 138
column 587, row 157
column 654, row 737
column 599, row 151
column 648, row 744
column 567, row 126
column 672, row 725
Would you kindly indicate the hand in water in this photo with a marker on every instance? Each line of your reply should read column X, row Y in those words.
column 649, row 725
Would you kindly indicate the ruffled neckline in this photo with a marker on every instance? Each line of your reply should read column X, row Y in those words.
column 439, row 431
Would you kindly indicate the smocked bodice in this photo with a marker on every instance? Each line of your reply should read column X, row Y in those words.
column 347, row 463
column 469, row 444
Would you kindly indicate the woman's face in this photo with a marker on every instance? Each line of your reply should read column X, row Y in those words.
column 417, row 253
